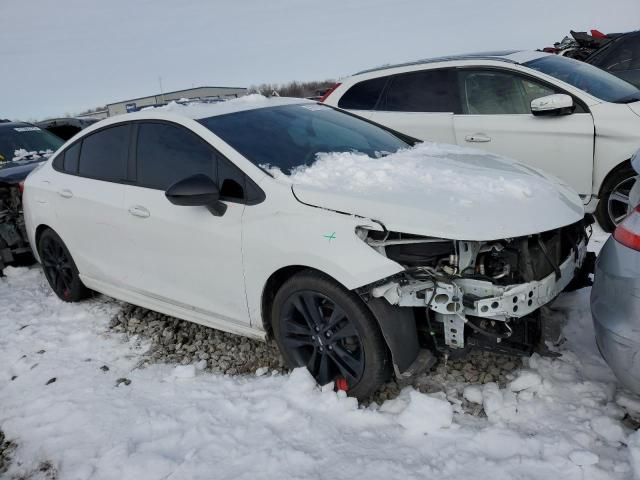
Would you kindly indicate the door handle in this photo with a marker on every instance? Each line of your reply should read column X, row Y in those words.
column 139, row 211
column 477, row 138
column 65, row 193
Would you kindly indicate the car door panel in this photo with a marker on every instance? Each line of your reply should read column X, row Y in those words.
column 497, row 119
column 88, row 201
column 186, row 255
column 432, row 127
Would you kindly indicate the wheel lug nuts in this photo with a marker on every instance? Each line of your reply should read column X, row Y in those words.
column 330, row 347
column 317, row 329
column 321, row 349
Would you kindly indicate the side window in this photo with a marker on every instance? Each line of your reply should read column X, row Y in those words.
column 487, row 92
column 67, row 161
column 169, row 153
column 363, row 95
column 424, row 91
column 104, row 154
column 71, row 158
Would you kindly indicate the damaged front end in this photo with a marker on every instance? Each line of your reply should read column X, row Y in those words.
column 14, row 245
column 470, row 294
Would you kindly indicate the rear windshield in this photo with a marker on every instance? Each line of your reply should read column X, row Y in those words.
column 586, row 77
column 18, row 141
column 292, row 135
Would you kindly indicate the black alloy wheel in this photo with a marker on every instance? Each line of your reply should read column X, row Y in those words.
column 319, row 335
column 320, row 325
column 59, row 268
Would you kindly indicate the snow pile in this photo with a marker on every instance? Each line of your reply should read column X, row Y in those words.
column 557, row 418
column 425, row 414
column 206, row 109
column 427, row 166
column 22, row 154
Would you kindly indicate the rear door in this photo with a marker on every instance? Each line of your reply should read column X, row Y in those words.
column 421, row 104
column 185, row 255
column 496, row 116
column 89, row 194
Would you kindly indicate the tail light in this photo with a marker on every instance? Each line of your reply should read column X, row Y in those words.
column 21, row 187
column 628, row 232
column 329, row 92
column 597, row 34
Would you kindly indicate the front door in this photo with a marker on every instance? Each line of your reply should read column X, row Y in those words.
column 496, row 116
column 184, row 255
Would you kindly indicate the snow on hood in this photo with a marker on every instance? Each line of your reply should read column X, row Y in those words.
column 441, row 191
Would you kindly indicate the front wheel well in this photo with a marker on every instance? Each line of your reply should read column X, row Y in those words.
column 39, row 231
column 606, row 180
column 275, row 281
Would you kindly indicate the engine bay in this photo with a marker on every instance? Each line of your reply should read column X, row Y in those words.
column 481, row 294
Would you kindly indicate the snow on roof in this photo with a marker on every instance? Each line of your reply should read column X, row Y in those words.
column 197, row 111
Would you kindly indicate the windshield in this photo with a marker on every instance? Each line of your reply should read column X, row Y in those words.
column 18, row 140
column 586, row 77
column 292, row 135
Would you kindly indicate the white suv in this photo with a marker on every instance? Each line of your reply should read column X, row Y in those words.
column 566, row 117
column 359, row 265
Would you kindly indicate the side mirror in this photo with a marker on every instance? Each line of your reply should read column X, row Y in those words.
column 558, row 104
column 197, row 190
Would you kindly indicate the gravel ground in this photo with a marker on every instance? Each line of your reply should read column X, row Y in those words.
column 180, row 342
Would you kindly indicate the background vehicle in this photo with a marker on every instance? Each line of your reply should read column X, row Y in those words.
column 620, row 57
column 22, row 148
column 180, row 211
column 615, row 303
column 561, row 115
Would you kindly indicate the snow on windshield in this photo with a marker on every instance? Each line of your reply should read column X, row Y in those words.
column 22, row 154
column 437, row 167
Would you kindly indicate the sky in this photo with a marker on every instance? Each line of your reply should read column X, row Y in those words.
column 62, row 57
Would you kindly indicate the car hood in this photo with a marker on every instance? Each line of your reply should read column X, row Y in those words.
column 635, row 107
column 17, row 170
column 440, row 191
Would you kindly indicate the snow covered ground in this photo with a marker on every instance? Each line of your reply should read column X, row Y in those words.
column 64, row 402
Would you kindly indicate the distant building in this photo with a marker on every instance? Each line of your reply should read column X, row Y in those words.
column 211, row 94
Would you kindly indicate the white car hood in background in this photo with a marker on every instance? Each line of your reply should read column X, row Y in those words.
column 440, row 191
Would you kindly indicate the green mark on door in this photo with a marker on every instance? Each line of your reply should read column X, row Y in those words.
column 330, row 236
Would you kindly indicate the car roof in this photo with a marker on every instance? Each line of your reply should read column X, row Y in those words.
column 15, row 124
column 508, row 56
column 199, row 110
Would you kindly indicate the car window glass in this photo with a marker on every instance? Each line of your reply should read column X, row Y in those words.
column 71, row 158
column 167, row 154
column 363, row 95
column 425, row 91
column 533, row 90
column 622, row 57
column 289, row 136
column 494, row 93
column 104, row 154
column 586, row 77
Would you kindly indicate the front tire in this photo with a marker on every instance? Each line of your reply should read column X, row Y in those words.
column 614, row 198
column 320, row 325
column 60, row 269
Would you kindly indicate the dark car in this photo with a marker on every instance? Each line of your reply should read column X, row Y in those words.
column 23, row 147
column 620, row 56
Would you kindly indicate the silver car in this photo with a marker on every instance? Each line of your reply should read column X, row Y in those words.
column 615, row 297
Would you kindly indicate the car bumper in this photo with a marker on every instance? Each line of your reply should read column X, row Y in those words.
column 615, row 307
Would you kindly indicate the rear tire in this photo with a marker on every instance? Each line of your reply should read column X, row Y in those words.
column 320, row 325
column 60, row 269
column 611, row 208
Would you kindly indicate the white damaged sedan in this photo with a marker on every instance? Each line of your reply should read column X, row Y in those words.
column 360, row 251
